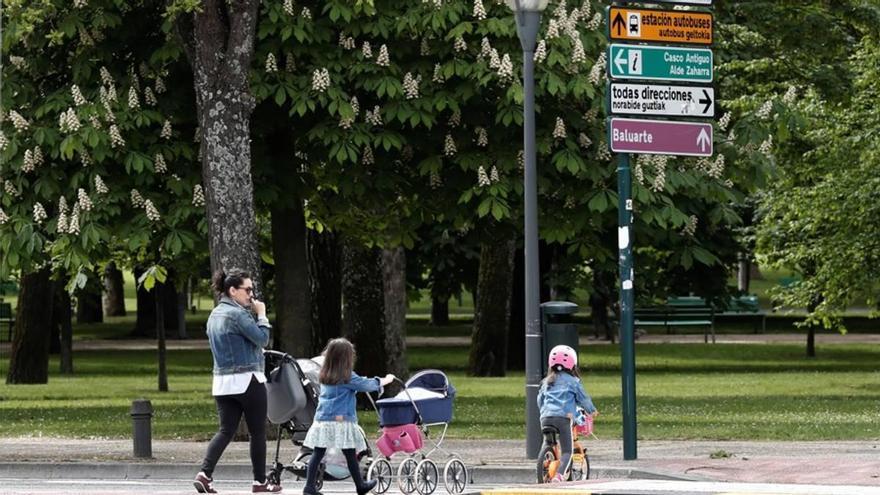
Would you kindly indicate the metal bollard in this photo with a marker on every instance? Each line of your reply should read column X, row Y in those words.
column 141, row 418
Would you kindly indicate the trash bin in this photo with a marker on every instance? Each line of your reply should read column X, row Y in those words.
column 557, row 319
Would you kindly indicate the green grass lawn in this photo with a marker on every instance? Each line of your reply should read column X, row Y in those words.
column 758, row 392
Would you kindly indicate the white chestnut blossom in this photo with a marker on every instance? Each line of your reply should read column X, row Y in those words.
column 136, row 199
column 366, row 51
column 767, row 146
column 289, row 63
column 18, row 62
column 159, row 164
column 493, row 175
column 724, row 121
column 552, row 29
column 83, row 200
column 449, row 148
column 133, row 102
column 166, row 130
column 85, row 158
column 438, row 74
column 690, row 226
column 271, row 64
column 435, row 181
column 149, row 97
column 367, row 156
column 717, row 168
column 151, row 211
column 100, row 187
column 482, row 177
column 482, row 137
column 160, row 85
column 374, row 117
column 602, row 152
column 198, row 196
column 559, row 130
column 18, row 121
column 346, row 42
column 3, row 141
column 521, row 160
column 306, row 14
column 597, row 73
column 540, row 52
column 96, row 123
column 479, row 10
column 39, row 213
column 455, row 119
column 106, row 78
column 3, row 217
column 78, row 98
column 765, row 110
column 411, row 85
column 505, row 69
column 494, row 59
column 68, row 121
column 424, row 48
column 10, row 189
column 288, row 8
column 116, row 138
column 383, row 59
column 28, row 164
column 73, row 223
column 320, row 80
column 459, row 44
column 485, row 47
column 790, row 95
column 596, row 21
column 578, row 56
column 584, row 141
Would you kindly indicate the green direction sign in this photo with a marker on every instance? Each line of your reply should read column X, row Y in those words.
column 660, row 63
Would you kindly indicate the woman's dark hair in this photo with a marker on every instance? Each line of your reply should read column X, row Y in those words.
column 221, row 282
column 338, row 362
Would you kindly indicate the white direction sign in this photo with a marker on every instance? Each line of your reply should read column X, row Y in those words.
column 657, row 99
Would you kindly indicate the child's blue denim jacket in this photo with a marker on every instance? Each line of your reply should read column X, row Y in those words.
column 237, row 341
column 337, row 402
column 562, row 397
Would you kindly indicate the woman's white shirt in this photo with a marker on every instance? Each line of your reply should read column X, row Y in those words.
column 235, row 383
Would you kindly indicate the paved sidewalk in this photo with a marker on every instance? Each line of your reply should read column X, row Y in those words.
column 829, row 463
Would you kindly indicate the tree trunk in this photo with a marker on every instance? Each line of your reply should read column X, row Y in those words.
column 160, row 336
column 488, row 355
column 219, row 43
column 440, row 310
column 181, row 297
column 363, row 320
column 811, row 329
column 29, row 357
column 516, row 336
column 743, row 275
column 325, row 283
column 600, row 301
column 62, row 319
column 394, row 283
column 145, row 322
column 114, row 295
column 88, row 302
column 293, row 302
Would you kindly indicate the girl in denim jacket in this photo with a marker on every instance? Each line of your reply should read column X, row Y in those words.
column 335, row 422
column 560, row 394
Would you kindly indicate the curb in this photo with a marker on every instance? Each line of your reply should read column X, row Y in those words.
column 165, row 471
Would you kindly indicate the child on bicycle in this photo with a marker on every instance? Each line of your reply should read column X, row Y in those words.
column 335, row 423
column 560, row 394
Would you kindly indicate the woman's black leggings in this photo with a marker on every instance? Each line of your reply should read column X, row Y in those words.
column 354, row 468
column 252, row 403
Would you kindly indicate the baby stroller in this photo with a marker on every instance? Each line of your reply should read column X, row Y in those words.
column 425, row 402
column 292, row 392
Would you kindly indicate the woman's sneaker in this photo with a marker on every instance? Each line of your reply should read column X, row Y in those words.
column 265, row 487
column 204, row 484
column 557, row 479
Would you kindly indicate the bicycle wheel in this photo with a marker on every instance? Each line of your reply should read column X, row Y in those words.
column 546, row 456
column 406, row 475
column 427, row 477
column 455, row 477
column 580, row 467
column 380, row 470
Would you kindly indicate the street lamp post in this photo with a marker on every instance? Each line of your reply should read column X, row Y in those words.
column 528, row 19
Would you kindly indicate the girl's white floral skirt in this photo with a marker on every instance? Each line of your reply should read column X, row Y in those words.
column 339, row 434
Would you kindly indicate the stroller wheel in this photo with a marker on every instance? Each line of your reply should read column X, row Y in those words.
column 406, row 475
column 274, row 477
column 426, row 477
column 380, row 471
column 455, row 476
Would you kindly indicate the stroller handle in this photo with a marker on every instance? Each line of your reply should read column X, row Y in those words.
column 413, row 402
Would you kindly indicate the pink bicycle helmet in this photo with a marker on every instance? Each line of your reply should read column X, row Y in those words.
column 564, row 356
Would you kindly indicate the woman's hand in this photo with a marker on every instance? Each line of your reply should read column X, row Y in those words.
column 387, row 379
column 259, row 308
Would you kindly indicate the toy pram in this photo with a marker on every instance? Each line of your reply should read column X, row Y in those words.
column 425, row 402
column 292, row 392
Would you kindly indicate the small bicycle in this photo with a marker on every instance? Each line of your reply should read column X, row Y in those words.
column 550, row 453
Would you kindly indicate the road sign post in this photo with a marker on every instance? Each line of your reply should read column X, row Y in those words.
column 646, row 81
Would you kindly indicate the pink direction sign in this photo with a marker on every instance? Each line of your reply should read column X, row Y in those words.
column 660, row 137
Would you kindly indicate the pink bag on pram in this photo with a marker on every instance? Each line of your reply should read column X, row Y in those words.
column 403, row 438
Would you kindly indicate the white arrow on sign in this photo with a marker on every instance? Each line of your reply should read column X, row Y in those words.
column 620, row 61
column 703, row 140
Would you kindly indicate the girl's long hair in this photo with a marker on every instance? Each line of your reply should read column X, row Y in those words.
column 338, row 362
column 555, row 370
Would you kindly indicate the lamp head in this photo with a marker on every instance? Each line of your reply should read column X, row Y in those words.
column 527, row 5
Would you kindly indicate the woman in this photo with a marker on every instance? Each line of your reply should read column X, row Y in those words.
column 237, row 340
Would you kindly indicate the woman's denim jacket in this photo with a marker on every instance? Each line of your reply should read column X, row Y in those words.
column 560, row 398
column 337, row 402
column 237, row 341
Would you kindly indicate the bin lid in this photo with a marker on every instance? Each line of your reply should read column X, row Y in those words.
column 559, row 308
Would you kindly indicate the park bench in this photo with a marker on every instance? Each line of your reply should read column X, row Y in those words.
column 7, row 317
column 682, row 314
column 734, row 306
